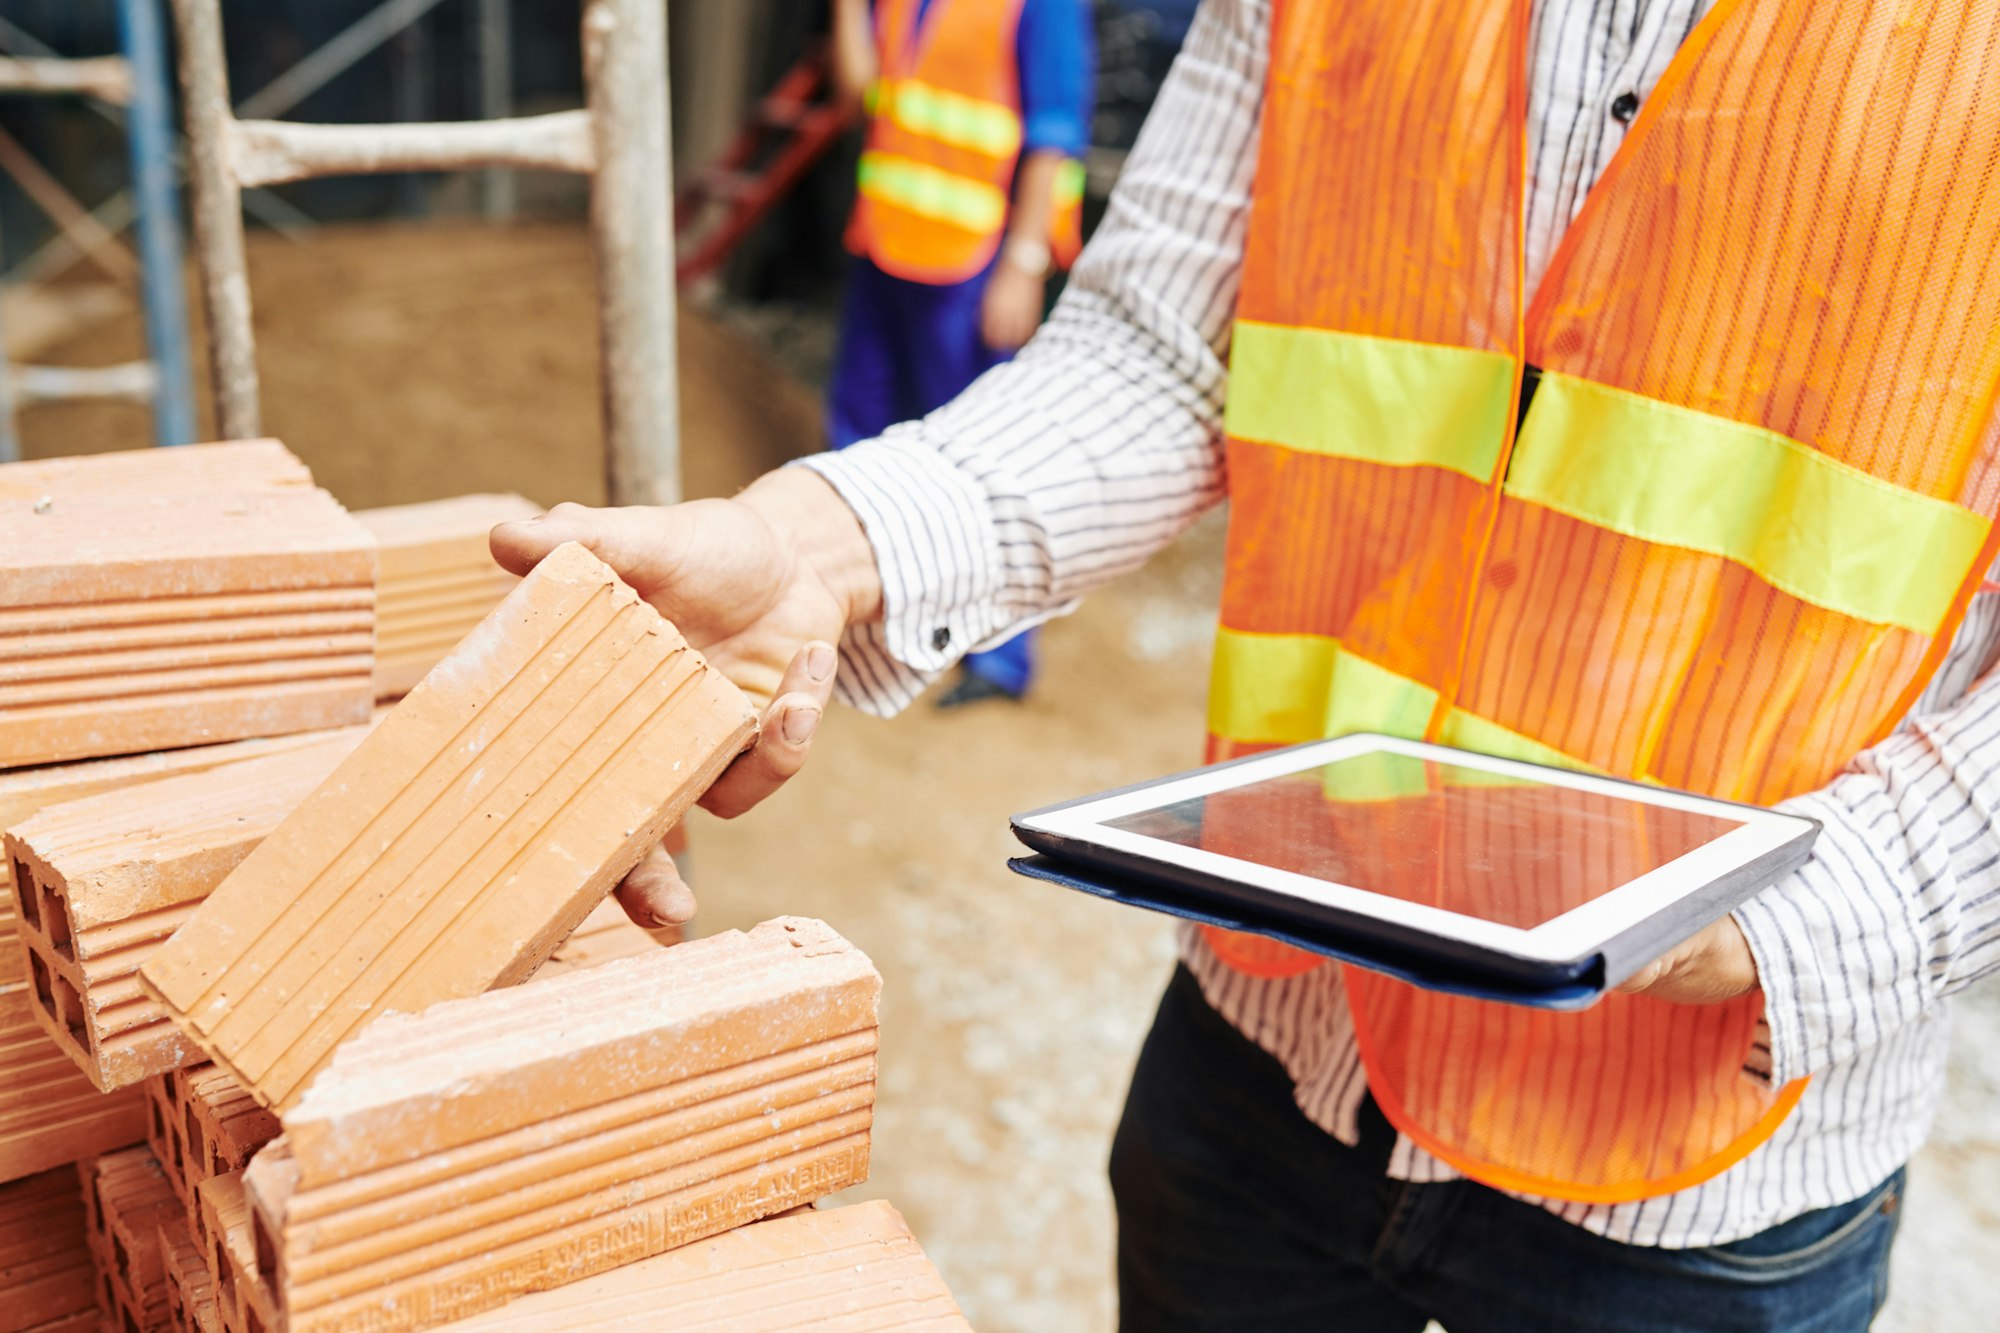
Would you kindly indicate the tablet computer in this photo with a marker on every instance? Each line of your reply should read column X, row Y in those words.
column 1505, row 877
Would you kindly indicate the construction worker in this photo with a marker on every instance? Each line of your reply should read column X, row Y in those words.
column 1608, row 384
column 970, row 103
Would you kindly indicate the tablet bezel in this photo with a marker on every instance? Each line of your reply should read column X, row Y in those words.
column 1581, row 932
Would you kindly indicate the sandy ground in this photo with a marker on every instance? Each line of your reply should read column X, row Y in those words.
column 408, row 364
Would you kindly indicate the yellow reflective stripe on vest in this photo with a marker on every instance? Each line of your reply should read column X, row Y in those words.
column 1380, row 400
column 949, row 117
column 1280, row 689
column 1805, row 523
column 922, row 188
column 1067, row 189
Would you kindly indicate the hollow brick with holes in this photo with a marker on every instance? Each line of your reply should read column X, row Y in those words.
column 191, row 1300
column 244, row 1299
column 100, row 883
column 126, row 1201
column 534, row 1136
column 469, row 834
column 50, row 1114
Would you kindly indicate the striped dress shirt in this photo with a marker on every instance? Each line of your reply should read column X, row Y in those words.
column 1101, row 442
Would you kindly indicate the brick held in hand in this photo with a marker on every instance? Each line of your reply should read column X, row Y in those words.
column 142, row 609
column 47, row 1274
column 436, row 579
column 537, row 1135
column 838, row 1270
column 50, row 1115
column 102, row 882
column 474, row 829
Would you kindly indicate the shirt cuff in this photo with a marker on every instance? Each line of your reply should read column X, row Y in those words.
column 935, row 546
column 1841, row 953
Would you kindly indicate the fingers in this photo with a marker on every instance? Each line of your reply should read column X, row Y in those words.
column 1714, row 966
column 639, row 542
column 789, row 726
column 655, row 895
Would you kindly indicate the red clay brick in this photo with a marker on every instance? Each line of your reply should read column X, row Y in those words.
column 191, row 1298
column 126, row 1201
column 537, row 1135
column 165, row 1138
column 103, row 881
column 605, row 934
column 50, row 1115
column 472, row 831
column 221, row 1123
column 242, row 1295
column 436, row 580
column 47, row 1275
column 839, row 1270
column 231, row 465
column 146, row 605
column 26, row 790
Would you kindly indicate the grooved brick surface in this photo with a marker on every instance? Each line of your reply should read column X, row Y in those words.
column 101, row 882
column 243, row 1298
column 148, row 601
column 126, row 1201
column 538, row 1135
column 47, row 1275
column 225, row 1125
column 473, row 830
column 838, row 1270
column 437, row 579
column 50, row 1115
column 191, row 1299
column 26, row 790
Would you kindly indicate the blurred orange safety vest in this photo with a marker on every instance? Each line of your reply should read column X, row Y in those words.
column 944, row 136
column 1723, row 549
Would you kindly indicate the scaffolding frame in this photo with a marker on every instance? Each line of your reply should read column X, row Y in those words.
column 132, row 87
column 619, row 139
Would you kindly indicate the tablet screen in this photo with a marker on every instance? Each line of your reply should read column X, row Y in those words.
column 1511, row 850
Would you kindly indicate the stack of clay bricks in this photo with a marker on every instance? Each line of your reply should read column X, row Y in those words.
column 437, row 580
column 263, row 989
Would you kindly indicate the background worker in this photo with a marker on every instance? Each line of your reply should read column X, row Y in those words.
column 970, row 102
column 1736, row 545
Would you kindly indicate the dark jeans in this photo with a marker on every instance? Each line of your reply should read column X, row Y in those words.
column 1236, row 1212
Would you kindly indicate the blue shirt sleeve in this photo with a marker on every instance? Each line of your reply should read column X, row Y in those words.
column 1058, row 63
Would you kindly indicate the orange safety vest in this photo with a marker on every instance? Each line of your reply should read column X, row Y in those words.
column 1725, row 549
column 944, row 136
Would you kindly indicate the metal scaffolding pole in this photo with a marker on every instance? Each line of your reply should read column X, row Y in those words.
column 156, row 187
column 130, row 90
column 631, row 206
column 620, row 139
column 497, row 195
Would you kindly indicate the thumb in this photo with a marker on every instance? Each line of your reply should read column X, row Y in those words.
column 637, row 541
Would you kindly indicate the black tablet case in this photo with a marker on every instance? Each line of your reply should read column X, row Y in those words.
column 1414, row 956
column 1433, row 969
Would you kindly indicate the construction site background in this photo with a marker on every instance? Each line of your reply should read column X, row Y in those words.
column 412, row 362
column 412, row 351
